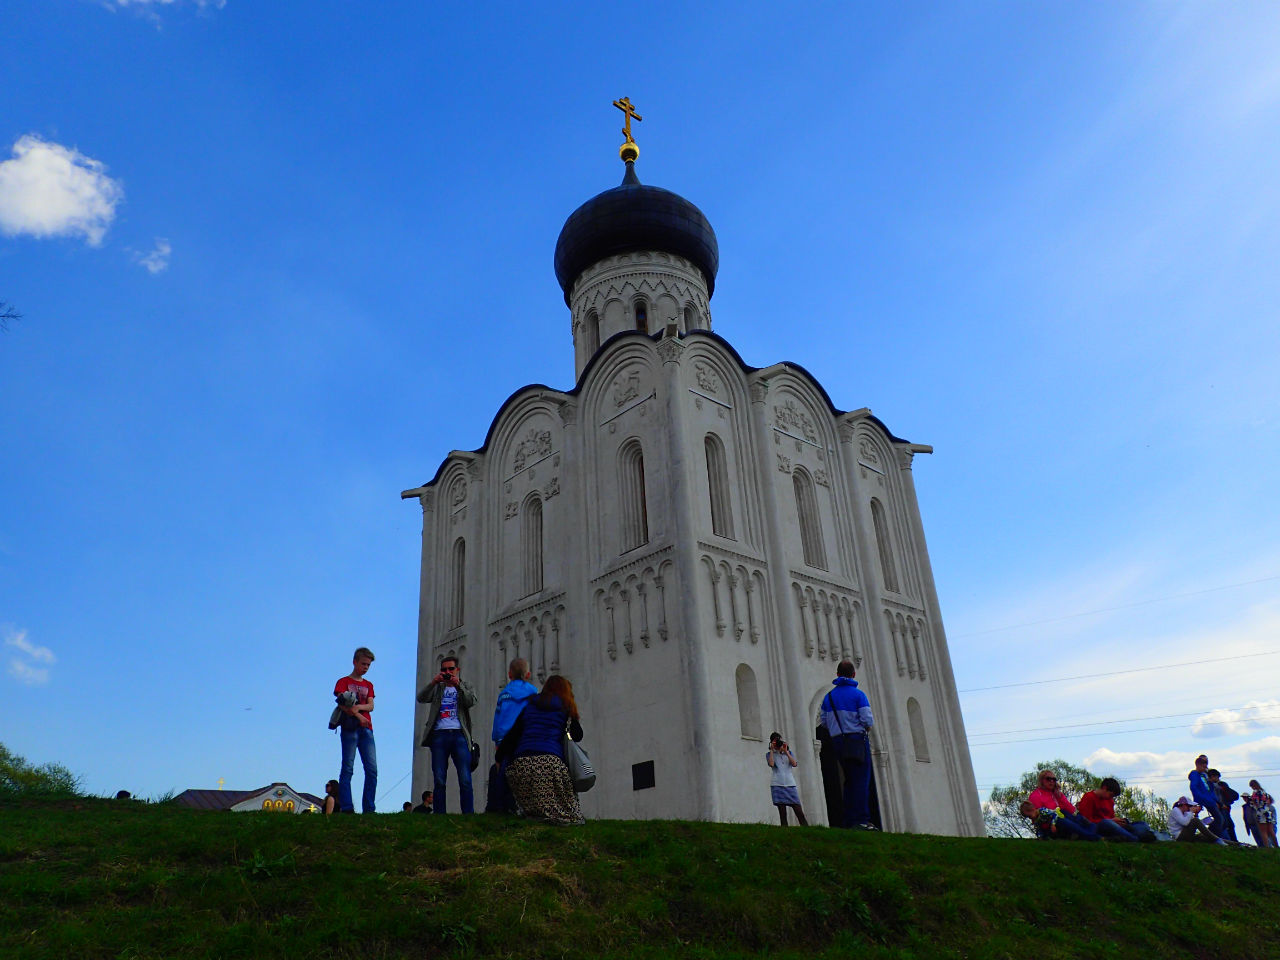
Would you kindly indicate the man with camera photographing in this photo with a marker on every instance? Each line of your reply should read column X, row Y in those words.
column 448, row 731
column 846, row 715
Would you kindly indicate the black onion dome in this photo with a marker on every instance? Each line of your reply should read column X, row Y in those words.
column 633, row 217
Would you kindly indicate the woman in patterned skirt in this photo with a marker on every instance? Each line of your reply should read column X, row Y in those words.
column 1264, row 815
column 537, row 772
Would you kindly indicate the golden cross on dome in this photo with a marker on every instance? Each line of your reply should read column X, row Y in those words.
column 626, row 107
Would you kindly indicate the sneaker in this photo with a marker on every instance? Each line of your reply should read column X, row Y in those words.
column 866, row 826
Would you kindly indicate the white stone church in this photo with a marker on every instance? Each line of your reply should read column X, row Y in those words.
column 695, row 543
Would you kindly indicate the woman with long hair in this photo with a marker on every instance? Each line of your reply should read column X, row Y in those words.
column 330, row 798
column 1264, row 815
column 537, row 772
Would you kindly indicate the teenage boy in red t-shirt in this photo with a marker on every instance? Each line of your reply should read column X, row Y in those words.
column 355, row 699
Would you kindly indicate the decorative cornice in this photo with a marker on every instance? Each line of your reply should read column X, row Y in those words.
column 730, row 554
column 521, row 612
column 852, row 591
column 639, row 563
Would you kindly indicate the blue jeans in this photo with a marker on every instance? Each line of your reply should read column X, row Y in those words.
column 445, row 744
column 857, row 787
column 362, row 740
column 1215, row 824
column 1071, row 825
column 1135, row 831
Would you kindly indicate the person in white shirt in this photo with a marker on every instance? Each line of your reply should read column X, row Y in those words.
column 1184, row 823
column 783, row 788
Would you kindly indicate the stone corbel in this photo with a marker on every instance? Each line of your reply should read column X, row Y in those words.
column 908, row 451
column 849, row 423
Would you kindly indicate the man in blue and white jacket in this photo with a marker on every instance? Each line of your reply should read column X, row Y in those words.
column 846, row 714
column 511, row 702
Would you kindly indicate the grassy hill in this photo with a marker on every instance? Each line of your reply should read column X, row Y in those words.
column 99, row 878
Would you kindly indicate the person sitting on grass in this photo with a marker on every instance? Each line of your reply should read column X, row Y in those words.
column 1043, row 820
column 1069, row 823
column 1185, row 824
column 1098, row 806
column 330, row 805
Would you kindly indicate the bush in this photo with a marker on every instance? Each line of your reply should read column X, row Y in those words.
column 20, row 779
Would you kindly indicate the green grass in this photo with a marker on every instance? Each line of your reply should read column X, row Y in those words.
column 100, row 878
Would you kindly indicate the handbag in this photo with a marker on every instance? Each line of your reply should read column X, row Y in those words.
column 849, row 746
column 475, row 756
column 581, row 772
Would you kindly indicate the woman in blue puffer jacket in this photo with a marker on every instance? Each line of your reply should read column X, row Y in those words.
column 537, row 772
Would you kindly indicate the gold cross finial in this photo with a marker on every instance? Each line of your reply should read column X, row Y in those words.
column 628, row 151
column 221, row 782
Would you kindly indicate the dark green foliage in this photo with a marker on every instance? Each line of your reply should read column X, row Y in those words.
column 51, row 781
column 94, row 878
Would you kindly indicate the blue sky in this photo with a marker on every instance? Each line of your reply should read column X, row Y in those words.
column 275, row 261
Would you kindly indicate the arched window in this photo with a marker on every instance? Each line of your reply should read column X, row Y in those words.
column 888, row 572
column 532, row 545
column 690, row 319
column 718, row 485
column 748, row 702
column 591, row 335
column 457, row 584
column 635, row 514
column 642, row 316
column 916, row 719
column 810, row 522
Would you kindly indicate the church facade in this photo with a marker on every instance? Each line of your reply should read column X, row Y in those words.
column 695, row 543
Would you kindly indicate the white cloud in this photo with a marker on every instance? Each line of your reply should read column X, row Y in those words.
column 20, row 667
column 147, row 4
column 1254, row 715
column 25, row 673
column 39, row 654
column 48, row 190
column 1166, row 773
column 157, row 261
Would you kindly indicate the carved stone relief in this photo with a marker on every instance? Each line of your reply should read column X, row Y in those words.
column 789, row 415
column 706, row 378
column 784, row 463
column 626, row 387
column 537, row 443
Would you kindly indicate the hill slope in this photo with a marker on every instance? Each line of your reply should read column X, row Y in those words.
column 110, row 879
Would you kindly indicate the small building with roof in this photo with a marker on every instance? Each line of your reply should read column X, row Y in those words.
column 274, row 798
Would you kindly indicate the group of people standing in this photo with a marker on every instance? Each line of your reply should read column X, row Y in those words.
column 1053, row 816
column 1214, row 796
column 530, row 773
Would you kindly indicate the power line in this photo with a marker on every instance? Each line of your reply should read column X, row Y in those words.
column 1116, row 673
column 1099, row 723
column 387, row 792
column 1122, row 606
column 1102, row 733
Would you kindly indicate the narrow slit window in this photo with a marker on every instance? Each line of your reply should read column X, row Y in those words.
column 815, row 554
column 718, row 487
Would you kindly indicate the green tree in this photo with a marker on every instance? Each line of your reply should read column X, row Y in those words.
column 1001, row 811
column 19, row 778
column 1003, row 819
